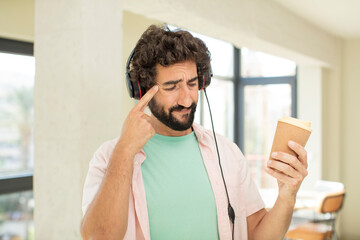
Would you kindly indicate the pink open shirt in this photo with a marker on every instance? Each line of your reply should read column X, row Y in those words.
column 244, row 196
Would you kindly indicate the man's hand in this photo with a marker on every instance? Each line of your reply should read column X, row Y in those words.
column 289, row 170
column 137, row 129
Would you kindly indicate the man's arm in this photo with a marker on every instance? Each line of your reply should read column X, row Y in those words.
column 107, row 215
column 289, row 172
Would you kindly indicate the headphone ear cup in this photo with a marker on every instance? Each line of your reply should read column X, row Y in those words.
column 130, row 85
column 135, row 90
column 139, row 91
column 205, row 79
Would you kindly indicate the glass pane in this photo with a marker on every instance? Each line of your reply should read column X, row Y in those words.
column 221, row 98
column 17, row 75
column 222, row 54
column 264, row 105
column 17, row 216
column 259, row 64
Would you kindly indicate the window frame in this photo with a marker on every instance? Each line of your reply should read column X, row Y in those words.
column 24, row 181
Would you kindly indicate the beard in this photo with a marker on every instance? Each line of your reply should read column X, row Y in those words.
column 169, row 119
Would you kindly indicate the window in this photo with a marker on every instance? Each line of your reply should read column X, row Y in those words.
column 17, row 71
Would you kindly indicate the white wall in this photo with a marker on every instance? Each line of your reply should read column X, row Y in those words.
column 76, row 104
column 350, row 157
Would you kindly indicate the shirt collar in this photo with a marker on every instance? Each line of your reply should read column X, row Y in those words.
column 199, row 132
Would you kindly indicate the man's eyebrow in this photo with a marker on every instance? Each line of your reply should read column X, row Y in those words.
column 171, row 82
column 193, row 79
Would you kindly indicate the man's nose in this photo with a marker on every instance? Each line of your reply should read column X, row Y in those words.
column 185, row 96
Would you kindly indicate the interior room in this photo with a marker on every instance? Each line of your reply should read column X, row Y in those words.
column 63, row 94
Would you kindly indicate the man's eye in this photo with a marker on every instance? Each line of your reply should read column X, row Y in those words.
column 192, row 84
column 170, row 89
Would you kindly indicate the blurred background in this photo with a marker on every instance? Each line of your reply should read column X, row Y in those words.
column 62, row 93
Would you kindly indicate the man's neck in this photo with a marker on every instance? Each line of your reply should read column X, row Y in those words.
column 164, row 130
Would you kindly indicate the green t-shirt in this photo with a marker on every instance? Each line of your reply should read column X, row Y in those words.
column 180, row 200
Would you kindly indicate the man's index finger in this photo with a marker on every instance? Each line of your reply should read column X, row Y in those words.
column 143, row 102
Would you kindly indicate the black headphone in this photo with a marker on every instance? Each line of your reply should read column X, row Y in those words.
column 137, row 91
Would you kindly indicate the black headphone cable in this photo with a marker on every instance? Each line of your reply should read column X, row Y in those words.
column 230, row 209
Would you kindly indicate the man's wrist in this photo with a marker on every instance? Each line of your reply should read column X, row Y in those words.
column 288, row 201
column 125, row 149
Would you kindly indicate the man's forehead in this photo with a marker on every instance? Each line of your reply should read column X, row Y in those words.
column 177, row 71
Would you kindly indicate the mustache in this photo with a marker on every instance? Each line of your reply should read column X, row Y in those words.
column 179, row 107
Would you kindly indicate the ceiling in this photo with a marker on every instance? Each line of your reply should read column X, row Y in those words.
column 338, row 17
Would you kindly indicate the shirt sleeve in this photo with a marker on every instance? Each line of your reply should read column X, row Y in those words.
column 249, row 194
column 96, row 172
column 253, row 199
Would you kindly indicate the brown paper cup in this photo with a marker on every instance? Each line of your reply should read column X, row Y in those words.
column 286, row 132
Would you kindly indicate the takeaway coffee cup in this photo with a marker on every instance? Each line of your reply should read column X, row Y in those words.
column 290, row 129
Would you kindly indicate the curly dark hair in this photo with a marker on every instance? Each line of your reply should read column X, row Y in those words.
column 166, row 47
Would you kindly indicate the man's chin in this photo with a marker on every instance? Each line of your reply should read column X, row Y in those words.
column 183, row 119
column 180, row 128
